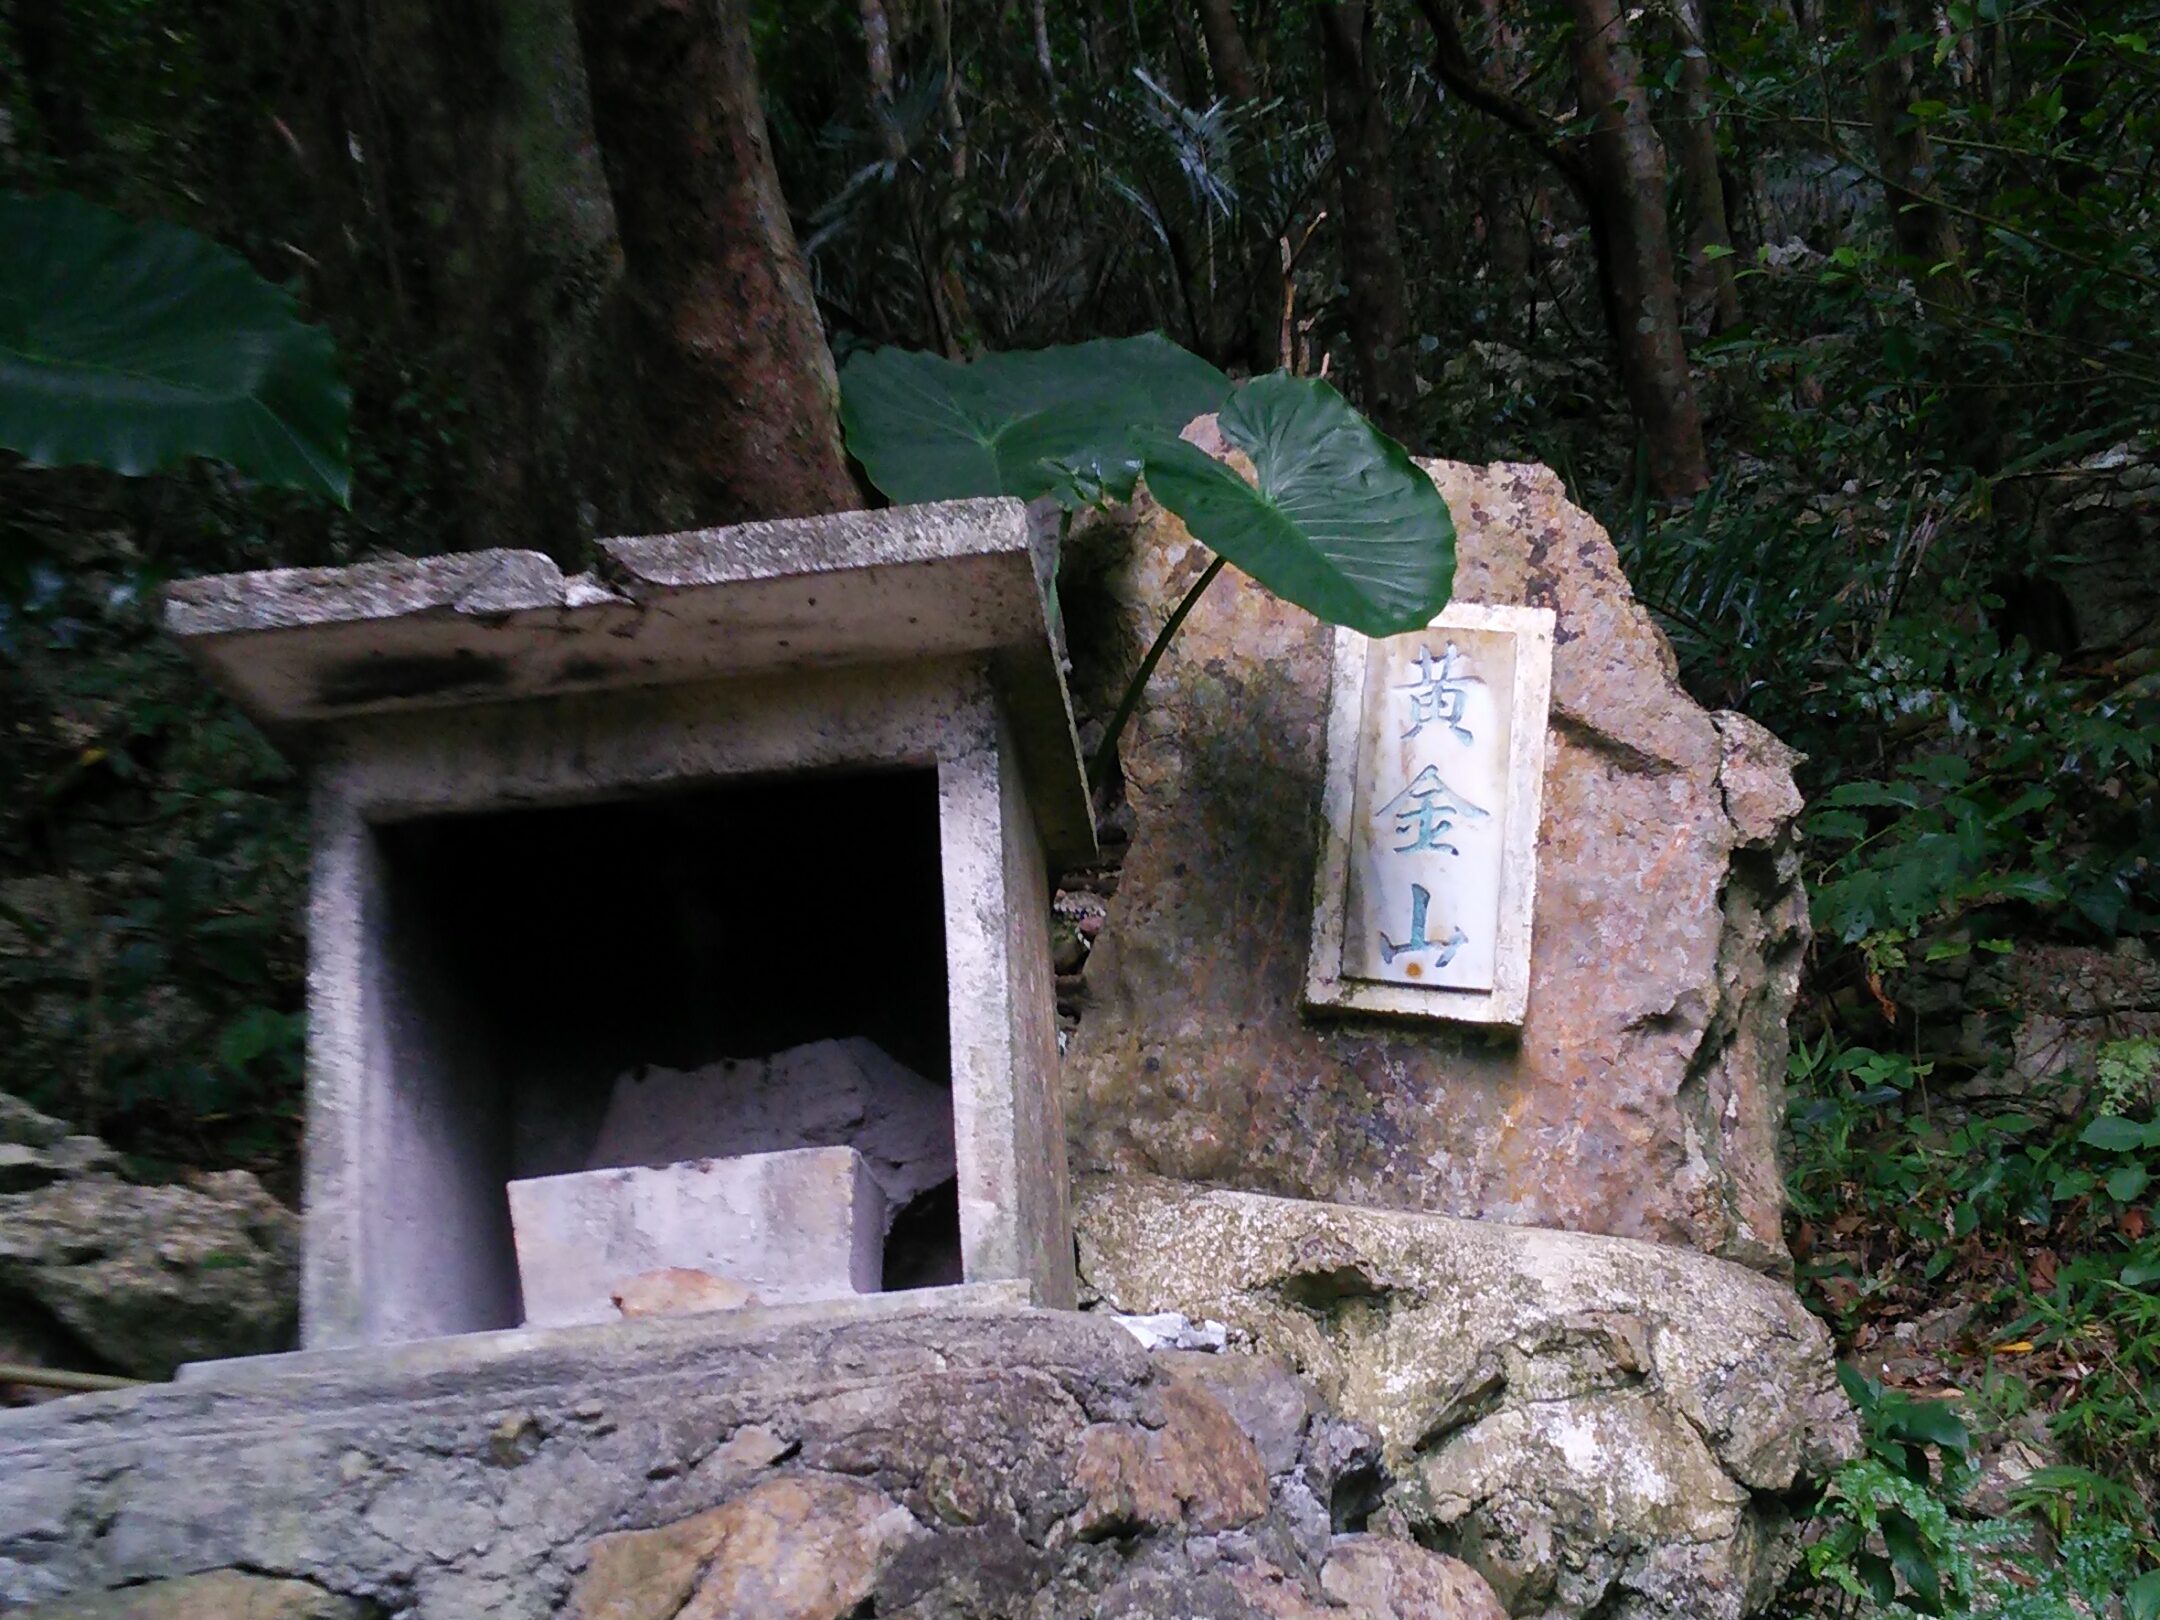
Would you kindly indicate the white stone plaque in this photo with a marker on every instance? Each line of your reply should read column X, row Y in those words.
column 1436, row 765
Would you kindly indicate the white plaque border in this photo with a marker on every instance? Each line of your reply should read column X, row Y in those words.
column 1326, row 989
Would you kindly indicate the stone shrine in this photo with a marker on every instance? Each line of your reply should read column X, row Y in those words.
column 682, row 975
column 583, row 841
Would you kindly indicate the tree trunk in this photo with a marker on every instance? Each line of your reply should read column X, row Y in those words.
column 877, row 60
column 956, row 312
column 1232, row 64
column 945, row 300
column 731, row 391
column 1371, row 247
column 459, row 174
column 1252, row 318
column 948, row 87
column 1509, row 203
column 1712, row 291
column 1925, row 235
column 1187, row 64
column 41, row 32
column 1039, row 26
column 1627, row 196
column 1618, row 175
column 1923, row 232
column 1507, row 227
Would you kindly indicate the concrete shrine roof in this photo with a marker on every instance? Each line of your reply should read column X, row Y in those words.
column 297, row 647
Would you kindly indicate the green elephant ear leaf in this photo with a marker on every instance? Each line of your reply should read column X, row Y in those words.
column 1342, row 522
column 136, row 346
column 1033, row 422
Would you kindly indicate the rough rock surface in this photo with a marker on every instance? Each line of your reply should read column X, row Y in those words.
column 842, row 1093
column 680, row 1291
column 2096, row 523
column 143, row 1278
column 24, row 1126
column 2032, row 1025
column 37, row 1150
column 790, row 1549
column 915, row 1463
column 1644, row 1095
column 1384, row 1576
column 1597, row 1425
column 220, row 1594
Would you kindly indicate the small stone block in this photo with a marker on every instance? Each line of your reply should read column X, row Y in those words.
column 790, row 1227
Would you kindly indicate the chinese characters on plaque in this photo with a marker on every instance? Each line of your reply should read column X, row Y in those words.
column 1436, row 754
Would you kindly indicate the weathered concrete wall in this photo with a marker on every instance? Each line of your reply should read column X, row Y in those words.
column 404, row 1211
column 1643, row 1094
column 961, row 1461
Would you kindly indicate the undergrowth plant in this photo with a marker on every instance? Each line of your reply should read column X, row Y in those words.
column 1973, row 797
column 1892, row 1538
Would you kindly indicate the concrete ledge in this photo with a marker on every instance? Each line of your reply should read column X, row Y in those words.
column 484, row 585
column 299, row 646
column 519, row 1358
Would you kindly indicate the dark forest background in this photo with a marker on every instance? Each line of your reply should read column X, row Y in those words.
column 1840, row 314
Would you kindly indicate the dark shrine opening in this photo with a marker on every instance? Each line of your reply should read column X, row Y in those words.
column 584, row 986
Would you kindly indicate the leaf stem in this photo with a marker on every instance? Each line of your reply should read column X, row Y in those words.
column 1106, row 750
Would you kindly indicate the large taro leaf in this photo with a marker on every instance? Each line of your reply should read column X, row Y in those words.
column 1032, row 422
column 1341, row 523
column 135, row 346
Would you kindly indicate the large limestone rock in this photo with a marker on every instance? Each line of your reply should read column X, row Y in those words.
column 37, row 1150
column 24, row 1126
column 1599, row 1426
column 1372, row 1577
column 219, row 1594
column 2096, row 523
column 917, row 1461
column 142, row 1278
column 1643, row 1097
column 1383, row 1576
column 2034, row 1027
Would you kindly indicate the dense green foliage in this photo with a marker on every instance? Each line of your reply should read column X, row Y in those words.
column 135, row 347
column 1061, row 422
column 1336, row 519
column 150, row 973
column 1925, row 558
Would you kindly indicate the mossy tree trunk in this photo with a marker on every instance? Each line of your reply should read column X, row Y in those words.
column 1711, row 285
column 1627, row 195
column 475, row 177
column 629, row 333
column 1378, row 303
column 726, row 379
column 1925, row 234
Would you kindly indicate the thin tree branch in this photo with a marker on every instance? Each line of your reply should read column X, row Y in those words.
column 1845, row 154
column 1461, row 74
